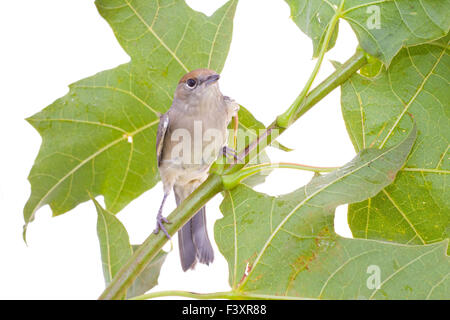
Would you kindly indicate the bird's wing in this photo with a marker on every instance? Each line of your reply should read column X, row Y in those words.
column 162, row 129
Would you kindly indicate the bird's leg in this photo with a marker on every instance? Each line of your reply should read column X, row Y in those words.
column 228, row 152
column 160, row 220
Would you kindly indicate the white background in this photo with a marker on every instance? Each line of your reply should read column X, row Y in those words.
column 48, row 44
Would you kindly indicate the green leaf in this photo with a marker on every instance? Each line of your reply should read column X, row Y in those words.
column 286, row 247
column 312, row 17
column 100, row 137
column 115, row 250
column 382, row 26
column 415, row 209
column 115, row 245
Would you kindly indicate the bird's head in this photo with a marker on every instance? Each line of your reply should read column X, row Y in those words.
column 198, row 87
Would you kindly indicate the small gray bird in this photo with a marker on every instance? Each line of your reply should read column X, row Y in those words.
column 191, row 135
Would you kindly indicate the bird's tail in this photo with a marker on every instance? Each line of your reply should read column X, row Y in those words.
column 193, row 240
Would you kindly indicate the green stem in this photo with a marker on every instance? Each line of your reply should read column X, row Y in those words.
column 285, row 119
column 213, row 185
column 345, row 71
column 216, row 295
column 233, row 179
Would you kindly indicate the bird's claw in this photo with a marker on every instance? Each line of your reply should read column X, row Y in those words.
column 160, row 220
column 228, row 152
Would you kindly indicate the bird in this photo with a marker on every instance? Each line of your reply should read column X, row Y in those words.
column 190, row 137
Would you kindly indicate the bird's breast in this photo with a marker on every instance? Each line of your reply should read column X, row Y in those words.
column 194, row 140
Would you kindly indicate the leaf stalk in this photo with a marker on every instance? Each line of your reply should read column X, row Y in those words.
column 285, row 119
column 233, row 179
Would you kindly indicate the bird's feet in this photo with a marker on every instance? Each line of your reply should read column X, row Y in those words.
column 229, row 152
column 160, row 220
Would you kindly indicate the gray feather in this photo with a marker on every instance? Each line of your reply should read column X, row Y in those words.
column 162, row 129
column 193, row 240
column 205, row 252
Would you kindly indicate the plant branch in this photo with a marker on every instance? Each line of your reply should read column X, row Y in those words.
column 233, row 179
column 285, row 119
column 273, row 131
column 214, row 184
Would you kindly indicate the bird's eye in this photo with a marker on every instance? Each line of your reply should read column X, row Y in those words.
column 191, row 83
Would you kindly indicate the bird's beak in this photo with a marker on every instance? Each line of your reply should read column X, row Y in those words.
column 212, row 79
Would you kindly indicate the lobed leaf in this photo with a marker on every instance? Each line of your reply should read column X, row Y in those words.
column 415, row 209
column 286, row 247
column 382, row 26
column 100, row 137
